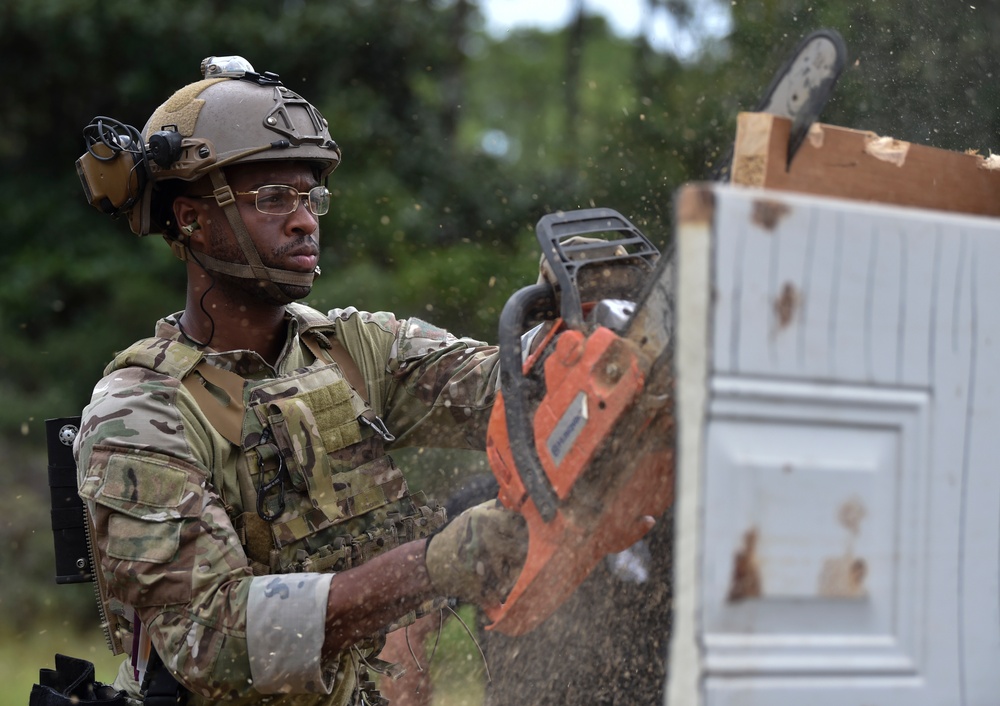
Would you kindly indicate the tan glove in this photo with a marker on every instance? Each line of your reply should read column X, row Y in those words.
column 478, row 556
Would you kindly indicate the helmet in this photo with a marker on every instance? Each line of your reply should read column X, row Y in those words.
column 232, row 116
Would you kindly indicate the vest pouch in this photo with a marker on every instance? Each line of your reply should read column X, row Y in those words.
column 364, row 496
column 398, row 523
column 305, row 428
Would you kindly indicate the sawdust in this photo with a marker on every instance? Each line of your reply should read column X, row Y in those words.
column 991, row 163
column 606, row 645
column 887, row 149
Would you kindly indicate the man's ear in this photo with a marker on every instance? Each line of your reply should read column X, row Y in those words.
column 189, row 214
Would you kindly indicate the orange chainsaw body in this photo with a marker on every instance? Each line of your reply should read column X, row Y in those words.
column 607, row 454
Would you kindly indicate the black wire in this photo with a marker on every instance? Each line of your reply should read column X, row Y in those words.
column 109, row 132
column 201, row 305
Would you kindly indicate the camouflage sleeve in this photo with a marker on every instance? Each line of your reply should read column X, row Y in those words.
column 167, row 546
column 434, row 389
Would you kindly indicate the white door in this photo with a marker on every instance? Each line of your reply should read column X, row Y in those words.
column 838, row 512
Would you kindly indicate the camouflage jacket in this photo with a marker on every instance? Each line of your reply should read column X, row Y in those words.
column 178, row 509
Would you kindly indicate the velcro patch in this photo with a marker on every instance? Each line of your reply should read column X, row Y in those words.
column 139, row 540
column 144, row 481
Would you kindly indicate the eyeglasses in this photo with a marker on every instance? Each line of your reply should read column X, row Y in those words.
column 280, row 200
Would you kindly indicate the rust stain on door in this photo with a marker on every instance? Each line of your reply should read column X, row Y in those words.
column 844, row 576
column 786, row 305
column 746, row 581
column 767, row 214
column 851, row 514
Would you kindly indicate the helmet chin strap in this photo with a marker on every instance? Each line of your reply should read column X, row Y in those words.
column 272, row 275
column 269, row 277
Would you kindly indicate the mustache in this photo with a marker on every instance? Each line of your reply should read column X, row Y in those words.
column 307, row 240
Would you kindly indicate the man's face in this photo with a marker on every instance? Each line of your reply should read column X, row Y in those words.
column 285, row 242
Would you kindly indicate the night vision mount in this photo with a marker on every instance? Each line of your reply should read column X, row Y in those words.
column 236, row 67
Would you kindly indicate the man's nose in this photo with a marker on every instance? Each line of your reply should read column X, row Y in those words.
column 302, row 219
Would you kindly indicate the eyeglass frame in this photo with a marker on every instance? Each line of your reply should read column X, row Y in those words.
column 256, row 193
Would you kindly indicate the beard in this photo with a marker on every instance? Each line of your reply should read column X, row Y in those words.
column 224, row 248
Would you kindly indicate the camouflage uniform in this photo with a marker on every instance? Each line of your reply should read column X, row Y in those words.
column 235, row 604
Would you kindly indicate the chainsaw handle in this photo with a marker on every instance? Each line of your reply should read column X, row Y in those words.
column 524, row 305
column 566, row 260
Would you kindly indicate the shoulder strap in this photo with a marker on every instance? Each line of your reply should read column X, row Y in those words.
column 326, row 347
column 219, row 394
column 332, row 350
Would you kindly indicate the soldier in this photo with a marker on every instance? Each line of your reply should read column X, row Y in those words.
column 249, row 527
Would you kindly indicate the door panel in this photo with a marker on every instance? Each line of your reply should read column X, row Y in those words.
column 838, row 513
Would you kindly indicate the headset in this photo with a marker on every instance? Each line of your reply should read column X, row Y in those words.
column 118, row 165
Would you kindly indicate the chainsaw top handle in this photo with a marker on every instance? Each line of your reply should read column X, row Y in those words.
column 569, row 260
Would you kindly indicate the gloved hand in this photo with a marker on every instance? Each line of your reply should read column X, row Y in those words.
column 478, row 556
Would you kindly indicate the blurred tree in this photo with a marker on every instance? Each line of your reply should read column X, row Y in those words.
column 75, row 290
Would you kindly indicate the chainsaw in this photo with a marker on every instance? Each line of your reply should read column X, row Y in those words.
column 580, row 439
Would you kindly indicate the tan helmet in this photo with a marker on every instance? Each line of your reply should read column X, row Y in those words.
column 233, row 115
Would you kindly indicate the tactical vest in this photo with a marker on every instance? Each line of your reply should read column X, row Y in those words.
column 315, row 490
